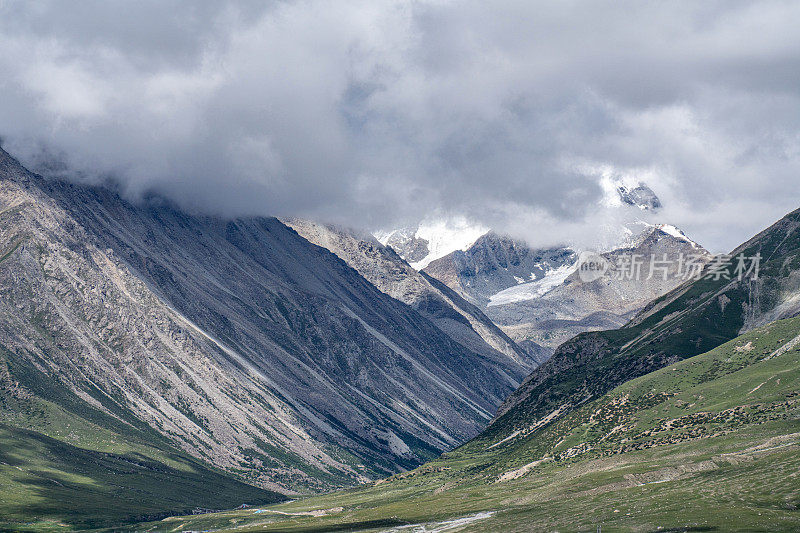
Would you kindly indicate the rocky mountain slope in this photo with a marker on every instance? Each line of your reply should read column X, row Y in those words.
column 693, row 318
column 65, row 464
column 237, row 341
column 384, row 268
column 562, row 305
column 537, row 296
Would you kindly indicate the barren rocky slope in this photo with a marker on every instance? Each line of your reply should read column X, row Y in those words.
column 238, row 341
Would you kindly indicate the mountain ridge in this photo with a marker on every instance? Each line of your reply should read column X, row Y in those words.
column 384, row 268
column 238, row 340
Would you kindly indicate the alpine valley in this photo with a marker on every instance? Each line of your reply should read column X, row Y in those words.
column 167, row 371
column 687, row 418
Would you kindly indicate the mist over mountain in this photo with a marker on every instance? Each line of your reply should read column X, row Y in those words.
column 377, row 114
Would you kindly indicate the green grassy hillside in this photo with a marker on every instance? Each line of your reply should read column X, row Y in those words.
column 711, row 443
column 65, row 465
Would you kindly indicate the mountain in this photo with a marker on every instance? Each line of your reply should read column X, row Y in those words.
column 710, row 443
column 640, row 196
column 385, row 269
column 431, row 239
column 237, row 341
column 693, row 318
column 562, row 305
column 537, row 296
column 496, row 262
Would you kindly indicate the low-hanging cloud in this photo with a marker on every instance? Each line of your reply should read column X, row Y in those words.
column 374, row 113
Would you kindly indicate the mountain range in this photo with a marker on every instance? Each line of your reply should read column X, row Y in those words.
column 156, row 363
column 535, row 294
column 691, row 319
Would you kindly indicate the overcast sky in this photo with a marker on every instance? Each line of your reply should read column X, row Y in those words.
column 381, row 113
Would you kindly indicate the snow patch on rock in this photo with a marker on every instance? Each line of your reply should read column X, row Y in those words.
column 533, row 289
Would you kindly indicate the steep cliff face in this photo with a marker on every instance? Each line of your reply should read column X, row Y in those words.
column 238, row 341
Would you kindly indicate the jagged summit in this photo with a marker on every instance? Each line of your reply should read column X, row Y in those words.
column 640, row 196
column 431, row 239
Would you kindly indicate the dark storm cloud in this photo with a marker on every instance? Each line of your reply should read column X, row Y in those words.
column 374, row 113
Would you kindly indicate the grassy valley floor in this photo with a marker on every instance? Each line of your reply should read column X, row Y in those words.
column 708, row 444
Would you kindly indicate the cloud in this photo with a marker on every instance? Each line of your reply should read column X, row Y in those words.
column 375, row 113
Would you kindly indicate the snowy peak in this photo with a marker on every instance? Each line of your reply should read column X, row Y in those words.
column 406, row 243
column 497, row 262
column 664, row 229
column 677, row 233
column 640, row 196
column 627, row 190
column 431, row 240
column 555, row 277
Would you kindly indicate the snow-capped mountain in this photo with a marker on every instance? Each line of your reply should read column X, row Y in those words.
column 640, row 196
column 537, row 295
column 431, row 239
column 497, row 262
column 435, row 238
